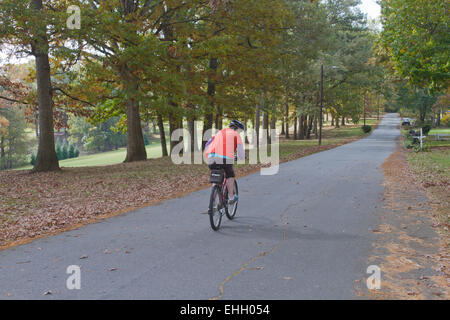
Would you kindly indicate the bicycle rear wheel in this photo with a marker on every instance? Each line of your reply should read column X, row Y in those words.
column 216, row 208
column 231, row 209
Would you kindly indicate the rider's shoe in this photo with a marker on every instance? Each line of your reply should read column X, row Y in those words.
column 234, row 200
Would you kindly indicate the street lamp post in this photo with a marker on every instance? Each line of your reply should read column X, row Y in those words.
column 321, row 105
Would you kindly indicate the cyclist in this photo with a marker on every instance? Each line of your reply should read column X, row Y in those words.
column 220, row 152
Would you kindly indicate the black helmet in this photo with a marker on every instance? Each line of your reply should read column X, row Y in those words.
column 236, row 124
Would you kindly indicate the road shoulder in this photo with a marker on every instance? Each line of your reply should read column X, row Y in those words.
column 410, row 250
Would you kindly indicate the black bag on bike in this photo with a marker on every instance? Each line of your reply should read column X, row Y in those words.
column 216, row 176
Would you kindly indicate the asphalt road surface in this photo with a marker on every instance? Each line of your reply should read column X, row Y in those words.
column 304, row 233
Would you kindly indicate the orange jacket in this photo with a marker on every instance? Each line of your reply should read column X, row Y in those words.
column 224, row 144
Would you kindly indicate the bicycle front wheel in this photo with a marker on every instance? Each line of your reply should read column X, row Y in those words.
column 216, row 208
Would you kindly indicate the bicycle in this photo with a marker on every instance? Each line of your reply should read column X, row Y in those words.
column 218, row 202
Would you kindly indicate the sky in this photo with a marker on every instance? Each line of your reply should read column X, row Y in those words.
column 372, row 9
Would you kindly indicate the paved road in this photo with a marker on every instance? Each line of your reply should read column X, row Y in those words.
column 303, row 233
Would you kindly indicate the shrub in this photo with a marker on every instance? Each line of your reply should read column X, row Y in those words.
column 366, row 128
column 146, row 139
column 33, row 159
column 65, row 151
column 407, row 144
column 76, row 152
column 71, row 151
column 446, row 120
column 426, row 128
column 58, row 150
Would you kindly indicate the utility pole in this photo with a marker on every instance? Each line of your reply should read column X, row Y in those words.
column 365, row 98
column 378, row 108
column 321, row 106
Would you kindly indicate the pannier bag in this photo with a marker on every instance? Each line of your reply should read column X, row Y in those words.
column 216, row 176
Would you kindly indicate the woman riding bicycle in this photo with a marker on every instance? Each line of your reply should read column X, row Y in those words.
column 220, row 152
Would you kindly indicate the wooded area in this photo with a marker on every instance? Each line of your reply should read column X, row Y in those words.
column 135, row 62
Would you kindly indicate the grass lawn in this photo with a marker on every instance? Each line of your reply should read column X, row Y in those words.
column 347, row 131
column 436, row 162
column 433, row 170
column 440, row 130
column 105, row 158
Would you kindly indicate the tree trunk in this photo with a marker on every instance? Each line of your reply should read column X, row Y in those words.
column 287, row 118
column 257, row 125
column 191, row 130
column 305, row 126
column 46, row 159
column 209, row 117
column 300, row 129
column 153, row 126
column 316, row 133
column 365, row 103
column 174, row 124
column 2, row 147
column 181, row 126
column 310, row 127
column 10, row 149
column 36, row 127
column 253, row 127
column 266, row 125
column 136, row 147
column 219, row 119
column 343, row 121
column 135, row 140
column 295, row 128
column 244, row 121
column 207, row 125
column 162, row 134
column 273, row 123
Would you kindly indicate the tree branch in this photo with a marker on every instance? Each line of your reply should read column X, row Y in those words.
column 72, row 97
column 13, row 100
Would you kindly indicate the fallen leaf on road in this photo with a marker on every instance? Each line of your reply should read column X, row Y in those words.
column 256, row 268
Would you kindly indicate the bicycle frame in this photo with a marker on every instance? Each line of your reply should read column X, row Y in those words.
column 223, row 188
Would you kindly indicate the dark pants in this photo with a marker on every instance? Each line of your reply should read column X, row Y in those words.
column 228, row 168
